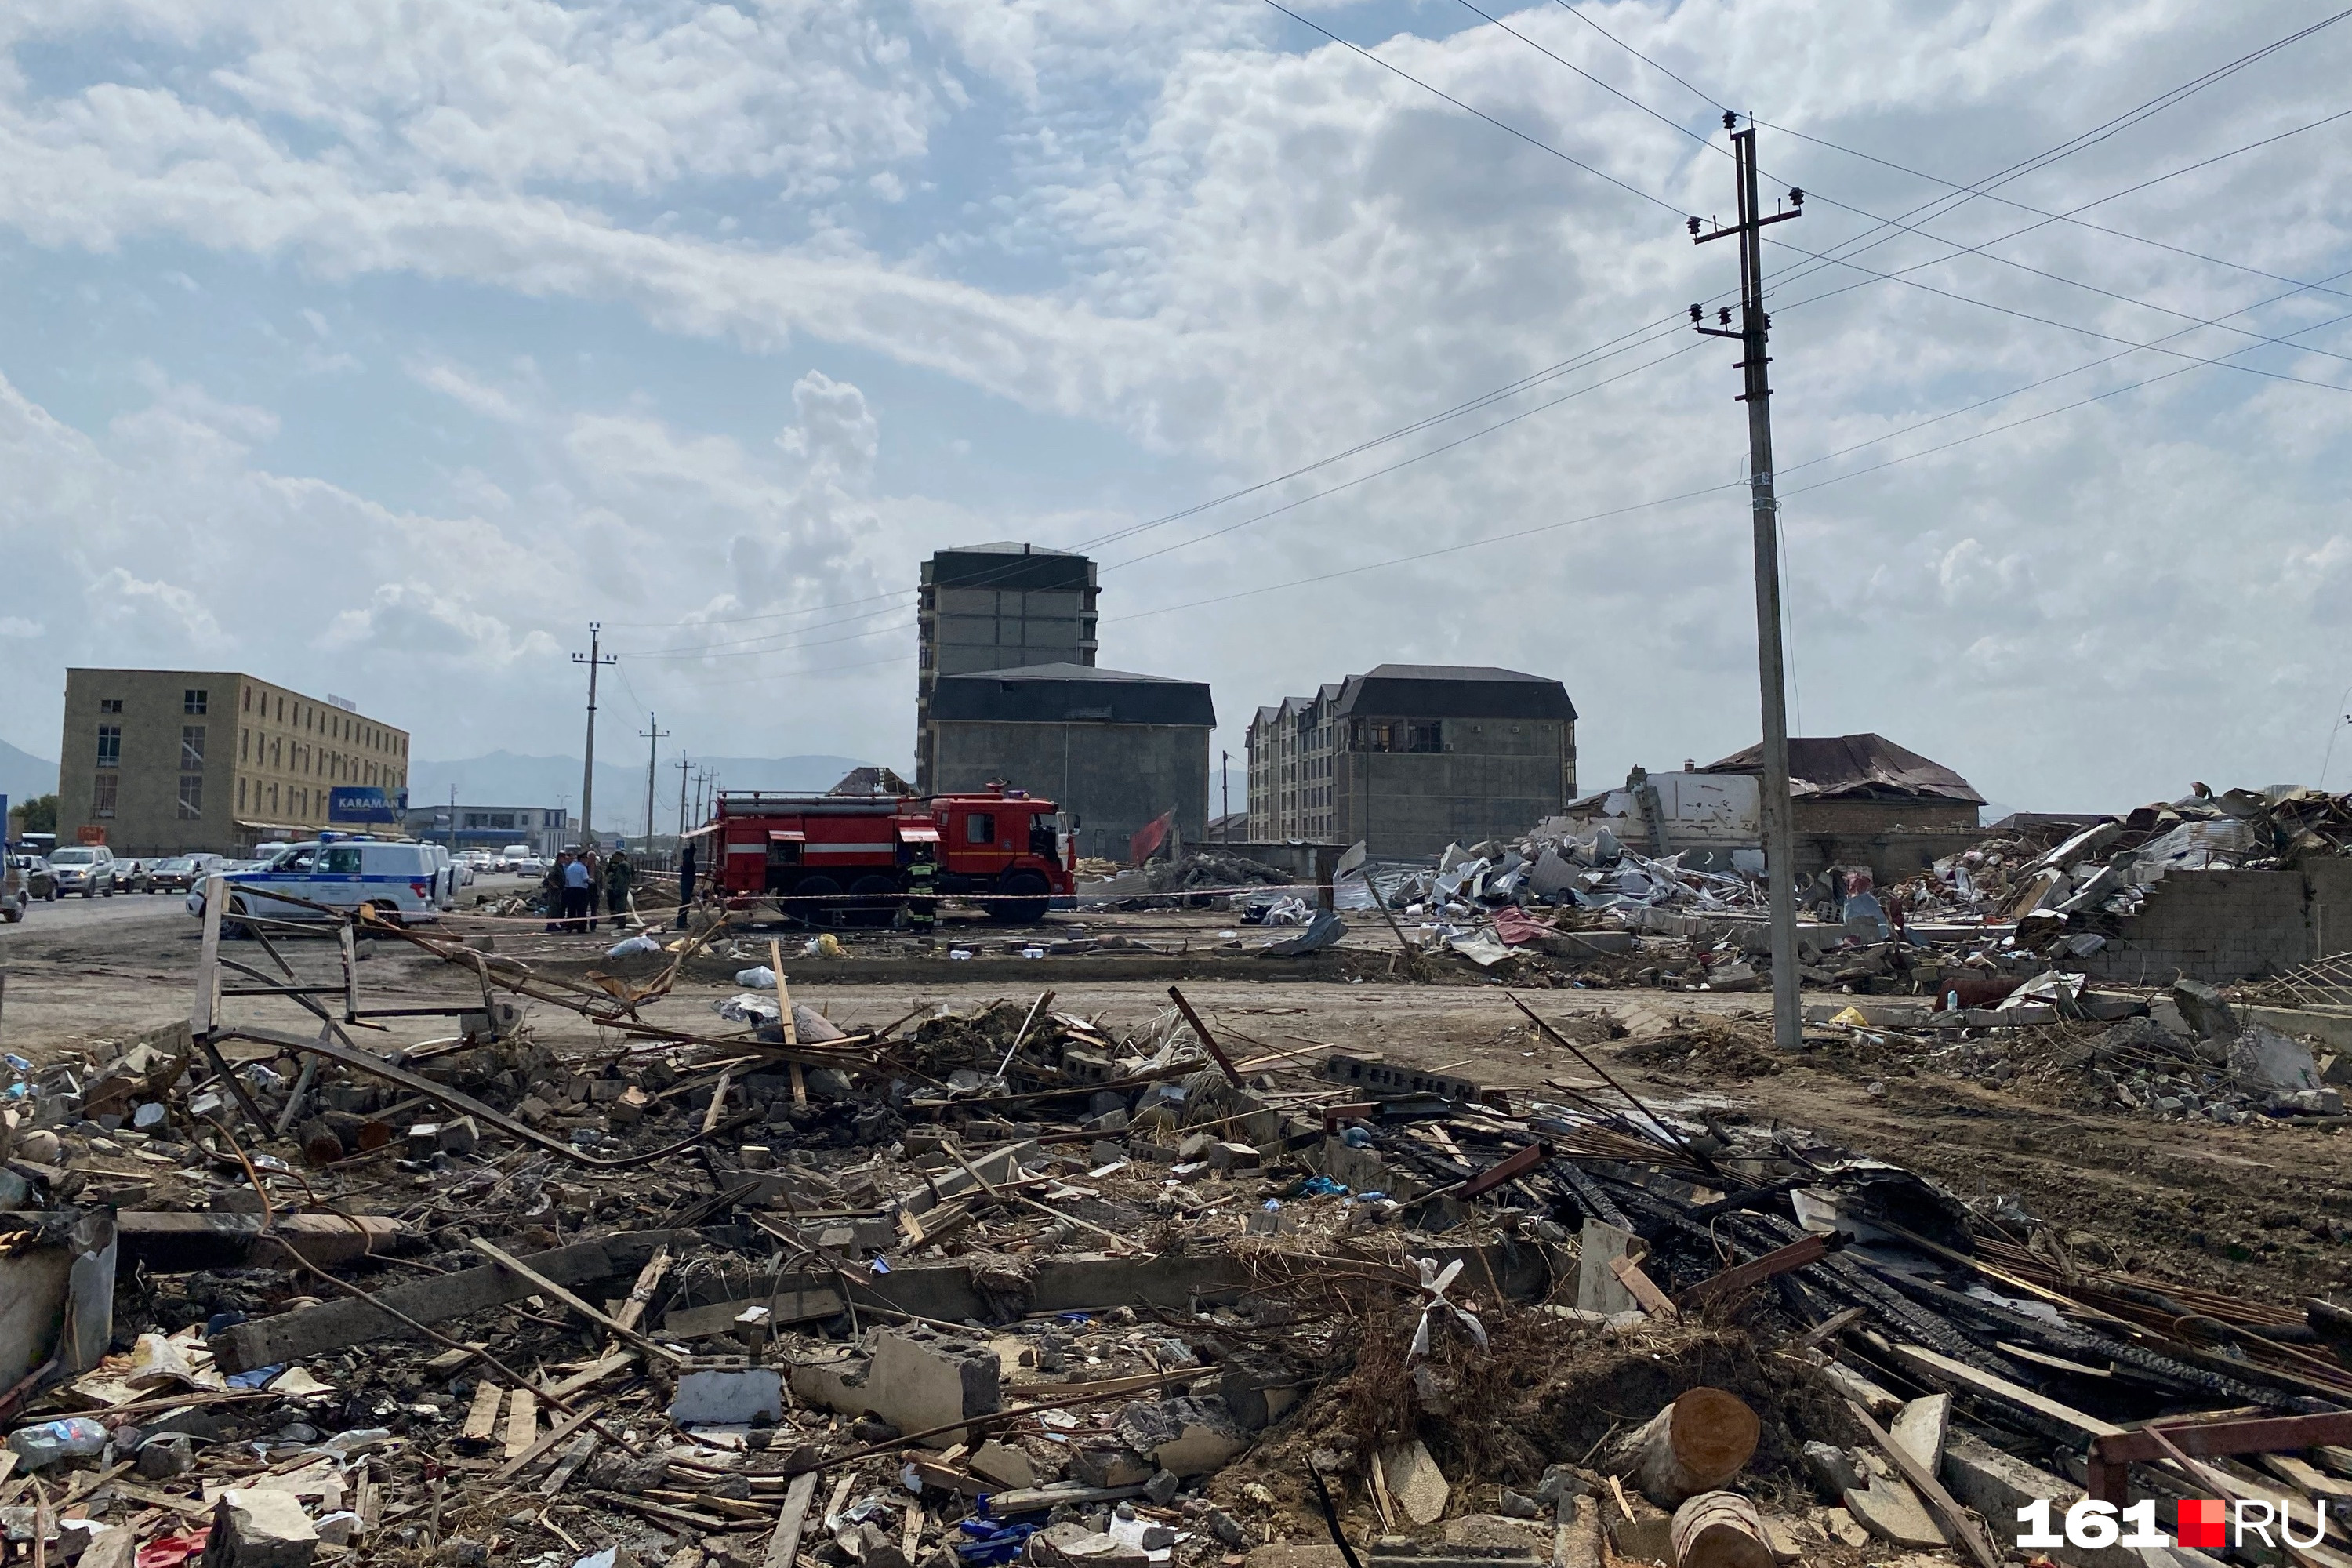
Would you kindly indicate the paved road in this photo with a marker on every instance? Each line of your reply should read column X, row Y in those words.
column 81, row 914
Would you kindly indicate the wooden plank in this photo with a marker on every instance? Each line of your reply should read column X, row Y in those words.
column 785, row 1544
column 1508, row 1168
column 560, row 1477
column 1957, row 1520
column 504, row 1260
column 482, row 1419
column 641, row 1294
column 562, row 1430
column 2061, row 1420
column 718, row 1106
column 1645, row 1290
column 587, row 1376
column 785, row 1002
column 522, row 1423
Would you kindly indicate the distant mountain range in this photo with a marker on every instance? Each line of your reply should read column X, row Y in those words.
column 502, row 778
column 24, row 775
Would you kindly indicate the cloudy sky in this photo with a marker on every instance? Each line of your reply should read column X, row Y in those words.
column 379, row 347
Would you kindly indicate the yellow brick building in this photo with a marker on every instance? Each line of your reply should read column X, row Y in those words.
column 170, row 761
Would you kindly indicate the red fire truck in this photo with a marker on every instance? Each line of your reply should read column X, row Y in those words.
column 850, row 860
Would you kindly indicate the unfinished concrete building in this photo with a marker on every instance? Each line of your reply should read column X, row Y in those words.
column 997, row 606
column 1412, row 757
column 1116, row 750
column 1860, row 800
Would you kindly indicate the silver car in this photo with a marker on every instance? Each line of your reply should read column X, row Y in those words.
column 84, row 869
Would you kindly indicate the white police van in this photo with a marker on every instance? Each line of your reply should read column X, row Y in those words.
column 407, row 881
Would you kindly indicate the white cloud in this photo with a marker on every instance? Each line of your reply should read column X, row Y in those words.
column 1197, row 232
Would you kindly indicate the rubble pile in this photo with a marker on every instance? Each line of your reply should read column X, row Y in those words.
column 591, row 1281
column 2106, row 868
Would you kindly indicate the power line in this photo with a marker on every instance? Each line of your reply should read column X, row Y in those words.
column 1960, row 247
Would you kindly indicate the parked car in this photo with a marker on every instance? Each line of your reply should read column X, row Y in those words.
column 401, row 880
column 131, row 876
column 16, row 886
column 84, row 869
column 182, row 872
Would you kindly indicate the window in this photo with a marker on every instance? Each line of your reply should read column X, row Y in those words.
column 240, row 794
column 192, row 748
column 191, row 796
column 110, row 704
column 980, row 828
column 281, row 710
column 101, row 795
column 249, row 699
column 1426, row 737
column 243, row 743
column 341, row 860
column 110, row 746
column 273, row 797
column 193, row 699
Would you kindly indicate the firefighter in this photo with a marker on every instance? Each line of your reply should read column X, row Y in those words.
column 923, row 905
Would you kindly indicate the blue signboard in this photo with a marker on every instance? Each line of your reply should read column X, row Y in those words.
column 366, row 804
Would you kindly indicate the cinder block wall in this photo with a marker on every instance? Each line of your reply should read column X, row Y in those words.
column 1495, row 779
column 2229, row 925
column 1116, row 778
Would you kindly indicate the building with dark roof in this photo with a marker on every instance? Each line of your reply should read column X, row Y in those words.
column 997, row 606
column 1115, row 749
column 1863, row 800
column 1412, row 757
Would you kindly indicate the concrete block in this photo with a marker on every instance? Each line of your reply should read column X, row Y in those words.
column 257, row 1529
column 998, row 1461
column 915, row 1378
column 727, row 1396
column 1189, row 1437
column 1106, row 1466
column 1416, row 1483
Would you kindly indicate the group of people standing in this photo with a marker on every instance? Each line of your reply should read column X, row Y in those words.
column 580, row 880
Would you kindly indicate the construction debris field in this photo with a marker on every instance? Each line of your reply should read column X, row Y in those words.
column 2264, row 1208
column 1095, row 1242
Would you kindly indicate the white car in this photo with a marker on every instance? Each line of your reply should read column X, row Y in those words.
column 409, row 883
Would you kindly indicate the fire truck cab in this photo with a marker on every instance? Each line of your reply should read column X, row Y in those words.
column 849, row 859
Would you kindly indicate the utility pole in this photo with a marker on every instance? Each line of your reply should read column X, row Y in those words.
column 588, row 766
column 652, row 734
column 1225, row 784
column 683, row 764
column 1753, row 334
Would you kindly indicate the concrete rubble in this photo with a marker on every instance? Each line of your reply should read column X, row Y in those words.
column 735, row 1285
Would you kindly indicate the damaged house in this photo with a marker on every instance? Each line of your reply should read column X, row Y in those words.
column 1863, row 800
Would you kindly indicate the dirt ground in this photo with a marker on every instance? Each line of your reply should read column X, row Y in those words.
column 2264, row 1208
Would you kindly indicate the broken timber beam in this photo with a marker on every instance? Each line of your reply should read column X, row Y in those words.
column 1208, row 1041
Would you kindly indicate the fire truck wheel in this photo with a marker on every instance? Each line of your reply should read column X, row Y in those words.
column 873, row 901
column 812, row 901
column 1022, row 899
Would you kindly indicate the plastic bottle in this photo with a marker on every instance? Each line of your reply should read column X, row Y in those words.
column 76, row 1437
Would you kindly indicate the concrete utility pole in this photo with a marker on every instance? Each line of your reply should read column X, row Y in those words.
column 683, row 765
column 588, row 767
column 652, row 734
column 1753, row 332
column 1225, row 786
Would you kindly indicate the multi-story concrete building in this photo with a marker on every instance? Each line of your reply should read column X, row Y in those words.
column 1116, row 749
column 1412, row 757
column 997, row 606
column 165, row 762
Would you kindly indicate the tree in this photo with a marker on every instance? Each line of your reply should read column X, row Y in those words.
column 38, row 814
